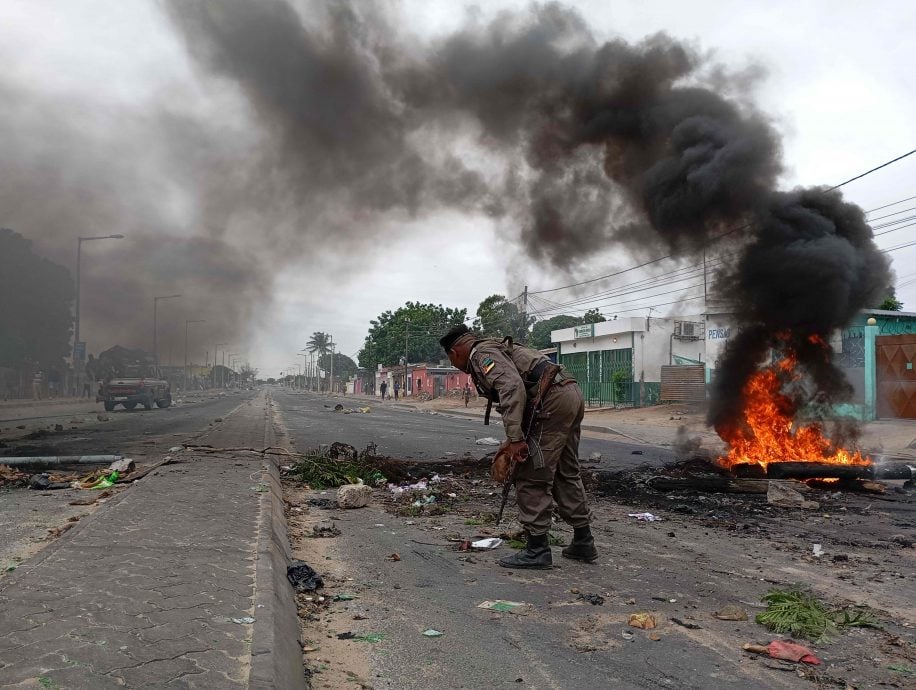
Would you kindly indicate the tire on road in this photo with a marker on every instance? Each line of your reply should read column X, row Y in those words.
column 109, row 406
column 129, row 405
column 165, row 402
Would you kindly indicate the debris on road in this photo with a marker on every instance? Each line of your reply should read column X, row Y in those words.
column 353, row 495
column 371, row 638
column 125, row 466
column 730, row 612
column 593, row 599
column 502, row 606
column 302, row 577
column 645, row 517
column 345, row 597
column 642, row 620
column 799, row 613
column 786, row 651
column 487, row 441
column 486, row 544
column 430, row 632
column 393, row 557
column 325, row 529
column 44, row 482
column 352, row 410
column 685, row 624
column 244, row 620
column 786, row 497
column 10, row 475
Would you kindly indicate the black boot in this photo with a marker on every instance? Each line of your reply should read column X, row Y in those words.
column 536, row 555
column 582, row 547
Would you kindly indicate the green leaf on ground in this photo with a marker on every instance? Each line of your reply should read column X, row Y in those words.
column 370, row 637
column 797, row 612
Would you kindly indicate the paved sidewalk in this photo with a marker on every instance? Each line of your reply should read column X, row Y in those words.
column 143, row 593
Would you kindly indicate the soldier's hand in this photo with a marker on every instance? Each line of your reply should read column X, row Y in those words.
column 517, row 450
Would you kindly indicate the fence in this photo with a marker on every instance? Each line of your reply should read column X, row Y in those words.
column 606, row 378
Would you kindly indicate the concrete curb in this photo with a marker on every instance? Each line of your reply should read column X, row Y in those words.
column 276, row 654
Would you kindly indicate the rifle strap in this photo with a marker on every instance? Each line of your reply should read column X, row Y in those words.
column 486, row 416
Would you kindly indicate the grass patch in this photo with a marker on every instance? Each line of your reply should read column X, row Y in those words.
column 473, row 521
column 797, row 612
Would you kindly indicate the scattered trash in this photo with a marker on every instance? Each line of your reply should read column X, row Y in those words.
column 487, row 441
column 645, row 517
column 502, row 606
column 176, row 449
column 342, row 451
column 593, row 599
column 344, row 597
column 655, row 637
column 125, row 466
column 486, row 544
column 218, row 419
column 731, row 612
column 628, row 636
column 393, row 557
column 595, row 457
column 779, row 494
column 425, row 501
column 429, row 632
column 245, row 620
column 42, row 482
column 325, row 529
column 817, row 550
column 9, row 475
column 685, row 624
column 346, row 635
column 372, row 638
column 643, row 621
column 786, row 651
column 636, row 452
column 354, row 495
column 352, row 410
column 302, row 577
column 260, row 488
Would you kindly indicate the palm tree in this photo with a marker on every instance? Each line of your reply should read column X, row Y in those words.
column 320, row 343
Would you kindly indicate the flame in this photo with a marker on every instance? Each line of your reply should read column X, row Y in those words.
column 768, row 431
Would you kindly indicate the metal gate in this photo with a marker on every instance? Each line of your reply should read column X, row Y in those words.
column 896, row 376
column 684, row 383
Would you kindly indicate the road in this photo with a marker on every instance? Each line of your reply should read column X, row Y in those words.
column 402, row 566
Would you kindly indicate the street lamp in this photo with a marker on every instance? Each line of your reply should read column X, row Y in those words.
column 76, row 324
column 187, row 323
column 232, row 356
column 156, row 324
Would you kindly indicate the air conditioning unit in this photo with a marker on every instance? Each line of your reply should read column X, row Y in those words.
column 688, row 330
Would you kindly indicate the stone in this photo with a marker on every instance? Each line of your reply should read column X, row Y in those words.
column 353, row 496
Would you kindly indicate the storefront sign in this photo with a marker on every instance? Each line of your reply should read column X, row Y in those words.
column 586, row 331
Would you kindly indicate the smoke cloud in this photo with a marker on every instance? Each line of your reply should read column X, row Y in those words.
column 349, row 122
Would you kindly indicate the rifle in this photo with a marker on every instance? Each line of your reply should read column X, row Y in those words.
column 532, row 412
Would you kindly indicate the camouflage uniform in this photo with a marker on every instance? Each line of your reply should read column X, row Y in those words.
column 503, row 373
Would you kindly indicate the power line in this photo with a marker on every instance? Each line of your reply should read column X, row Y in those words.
column 909, row 198
column 717, row 237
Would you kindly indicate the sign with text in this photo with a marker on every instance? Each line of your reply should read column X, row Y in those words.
column 718, row 333
column 586, row 331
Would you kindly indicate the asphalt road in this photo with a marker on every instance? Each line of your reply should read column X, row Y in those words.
column 407, row 433
column 562, row 643
column 124, row 432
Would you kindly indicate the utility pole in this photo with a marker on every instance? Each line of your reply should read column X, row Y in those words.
column 156, row 324
column 331, row 382
column 215, row 352
column 77, row 369
column 406, row 345
column 525, row 316
column 187, row 323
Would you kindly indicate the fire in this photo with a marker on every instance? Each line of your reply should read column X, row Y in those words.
column 769, row 432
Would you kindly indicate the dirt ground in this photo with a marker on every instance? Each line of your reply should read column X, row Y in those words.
column 707, row 551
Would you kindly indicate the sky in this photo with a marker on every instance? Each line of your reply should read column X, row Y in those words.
column 136, row 124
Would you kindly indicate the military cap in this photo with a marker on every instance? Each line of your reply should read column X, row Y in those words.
column 455, row 332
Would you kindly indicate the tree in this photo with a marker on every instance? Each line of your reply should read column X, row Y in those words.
column 320, row 342
column 497, row 317
column 416, row 327
column 344, row 367
column 36, row 297
column 540, row 332
column 890, row 301
column 593, row 316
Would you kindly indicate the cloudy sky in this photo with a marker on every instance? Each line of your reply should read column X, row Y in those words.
column 114, row 123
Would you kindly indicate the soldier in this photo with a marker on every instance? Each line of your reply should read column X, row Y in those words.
column 547, row 450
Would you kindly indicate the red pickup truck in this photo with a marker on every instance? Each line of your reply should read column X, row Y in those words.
column 131, row 392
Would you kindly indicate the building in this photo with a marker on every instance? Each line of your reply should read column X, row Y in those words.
column 436, row 380
column 621, row 362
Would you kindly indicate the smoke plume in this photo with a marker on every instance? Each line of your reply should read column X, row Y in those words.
column 342, row 122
